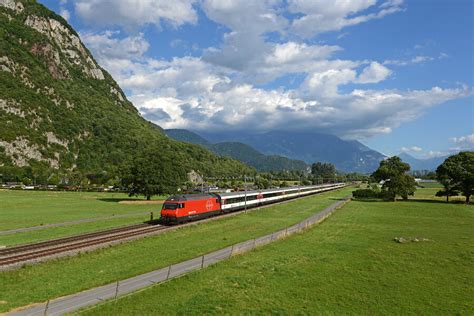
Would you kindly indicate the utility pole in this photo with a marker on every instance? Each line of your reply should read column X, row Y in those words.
column 245, row 186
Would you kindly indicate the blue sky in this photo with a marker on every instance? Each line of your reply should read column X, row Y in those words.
column 396, row 75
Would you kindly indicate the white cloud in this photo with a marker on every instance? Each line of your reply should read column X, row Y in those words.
column 190, row 92
column 468, row 139
column 411, row 149
column 108, row 44
column 133, row 13
column 258, row 61
column 325, row 84
column 65, row 13
column 435, row 153
column 251, row 17
column 419, row 59
column 374, row 73
column 463, row 143
column 320, row 16
column 220, row 89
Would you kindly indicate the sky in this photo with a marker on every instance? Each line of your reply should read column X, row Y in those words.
column 394, row 74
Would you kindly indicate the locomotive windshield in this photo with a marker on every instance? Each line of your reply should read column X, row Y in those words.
column 170, row 206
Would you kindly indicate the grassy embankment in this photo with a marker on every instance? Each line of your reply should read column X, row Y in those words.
column 20, row 209
column 350, row 264
column 69, row 275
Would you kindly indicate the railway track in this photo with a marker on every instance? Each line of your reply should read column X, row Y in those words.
column 59, row 241
column 25, row 253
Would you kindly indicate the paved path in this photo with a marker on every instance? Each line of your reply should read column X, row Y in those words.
column 93, row 296
column 80, row 221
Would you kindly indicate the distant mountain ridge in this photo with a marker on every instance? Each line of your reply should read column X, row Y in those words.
column 346, row 155
column 422, row 164
column 304, row 147
column 241, row 152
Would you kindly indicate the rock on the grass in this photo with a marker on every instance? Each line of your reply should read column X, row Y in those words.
column 402, row 240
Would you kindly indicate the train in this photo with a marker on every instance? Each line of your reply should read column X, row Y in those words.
column 183, row 208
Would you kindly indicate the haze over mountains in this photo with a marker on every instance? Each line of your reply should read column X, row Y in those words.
column 241, row 152
column 310, row 147
column 422, row 164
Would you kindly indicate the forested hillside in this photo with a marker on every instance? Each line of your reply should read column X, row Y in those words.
column 241, row 152
column 64, row 117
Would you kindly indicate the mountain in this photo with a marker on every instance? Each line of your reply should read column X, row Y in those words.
column 254, row 158
column 422, row 164
column 183, row 135
column 63, row 114
column 241, row 152
column 348, row 156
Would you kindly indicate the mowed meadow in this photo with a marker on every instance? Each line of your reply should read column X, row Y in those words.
column 349, row 264
column 55, row 278
column 20, row 209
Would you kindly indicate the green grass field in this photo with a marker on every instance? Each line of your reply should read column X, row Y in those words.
column 33, row 208
column 349, row 264
column 69, row 230
column 64, row 276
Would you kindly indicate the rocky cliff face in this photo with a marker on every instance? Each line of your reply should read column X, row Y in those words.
column 59, row 109
column 41, row 57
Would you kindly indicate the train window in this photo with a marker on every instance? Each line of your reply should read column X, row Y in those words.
column 235, row 200
column 170, row 206
column 181, row 205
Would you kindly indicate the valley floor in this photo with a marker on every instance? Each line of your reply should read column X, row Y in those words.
column 349, row 264
column 52, row 279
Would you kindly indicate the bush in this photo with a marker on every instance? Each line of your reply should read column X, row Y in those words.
column 373, row 194
column 366, row 194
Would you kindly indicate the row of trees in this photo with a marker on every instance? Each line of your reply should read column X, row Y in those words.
column 456, row 174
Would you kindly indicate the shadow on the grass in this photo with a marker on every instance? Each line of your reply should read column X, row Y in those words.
column 116, row 200
column 433, row 201
column 412, row 200
column 337, row 199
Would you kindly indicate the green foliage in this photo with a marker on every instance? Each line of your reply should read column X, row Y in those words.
column 354, row 176
column 447, row 193
column 152, row 173
column 323, row 170
column 262, row 183
column 456, row 174
column 393, row 171
column 366, row 194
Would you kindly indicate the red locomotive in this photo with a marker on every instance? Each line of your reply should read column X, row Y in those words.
column 183, row 208
column 187, row 207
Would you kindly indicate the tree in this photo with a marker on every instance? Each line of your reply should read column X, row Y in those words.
column 321, row 171
column 447, row 192
column 456, row 174
column 152, row 173
column 262, row 183
column 393, row 171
